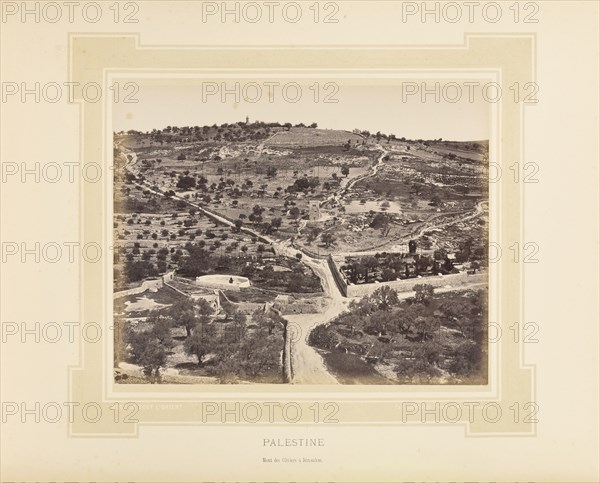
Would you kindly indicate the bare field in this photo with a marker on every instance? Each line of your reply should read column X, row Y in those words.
column 313, row 137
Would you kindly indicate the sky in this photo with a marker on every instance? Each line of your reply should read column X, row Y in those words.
column 387, row 105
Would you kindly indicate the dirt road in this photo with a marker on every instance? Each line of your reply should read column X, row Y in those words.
column 307, row 366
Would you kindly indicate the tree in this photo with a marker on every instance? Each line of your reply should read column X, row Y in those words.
column 388, row 275
column 313, row 233
column 161, row 328
column 183, row 314
column 421, row 264
column 345, row 170
column 381, row 221
column 304, row 184
column 369, row 264
column 425, row 327
column 229, row 310
column 467, row 361
column 150, row 348
column 423, row 293
column 328, row 239
column 186, row 182
column 262, row 321
column 202, row 340
column 355, row 268
column 465, row 250
column 294, row 285
column 379, row 322
column 199, row 261
column 416, row 371
column 412, row 246
column 204, row 308
column 139, row 270
column 323, row 337
column 150, row 354
column 258, row 356
column 385, row 298
column 239, row 322
column 276, row 223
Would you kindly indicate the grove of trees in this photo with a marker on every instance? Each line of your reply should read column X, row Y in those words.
column 423, row 338
column 230, row 346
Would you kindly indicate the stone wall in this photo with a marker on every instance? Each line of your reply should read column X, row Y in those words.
column 221, row 282
column 453, row 280
column 304, row 306
column 337, row 276
column 148, row 284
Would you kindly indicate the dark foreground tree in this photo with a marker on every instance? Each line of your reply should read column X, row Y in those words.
column 183, row 314
column 202, row 341
column 150, row 348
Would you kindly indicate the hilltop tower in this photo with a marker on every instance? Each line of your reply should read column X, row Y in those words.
column 247, row 120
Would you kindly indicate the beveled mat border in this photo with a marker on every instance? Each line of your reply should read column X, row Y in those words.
column 91, row 55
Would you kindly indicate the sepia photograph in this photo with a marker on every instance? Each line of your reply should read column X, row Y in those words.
column 327, row 249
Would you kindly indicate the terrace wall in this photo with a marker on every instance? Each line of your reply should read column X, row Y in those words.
column 218, row 218
column 308, row 252
column 337, row 276
column 454, row 280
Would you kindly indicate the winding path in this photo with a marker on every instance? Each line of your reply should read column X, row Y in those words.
column 337, row 197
